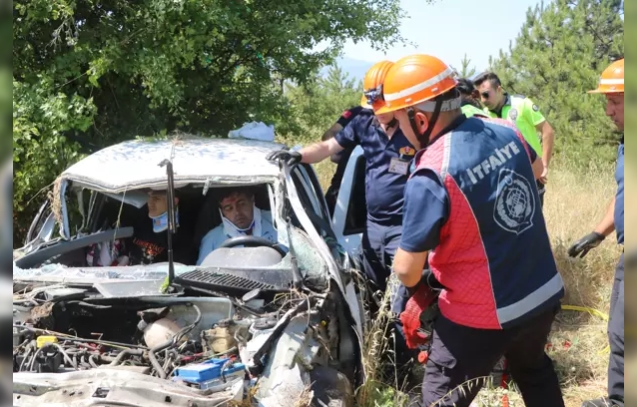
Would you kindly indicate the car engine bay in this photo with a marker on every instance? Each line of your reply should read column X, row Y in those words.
column 210, row 344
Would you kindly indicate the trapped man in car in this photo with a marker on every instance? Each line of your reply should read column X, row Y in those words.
column 149, row 243
column 240, row 217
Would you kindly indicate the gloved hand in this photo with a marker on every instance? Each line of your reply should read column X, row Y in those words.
column 585, row 244
column 422, row 299
column 290, row 157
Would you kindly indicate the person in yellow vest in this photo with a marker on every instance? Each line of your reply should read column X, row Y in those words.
column 469, row 105
column 525, row 114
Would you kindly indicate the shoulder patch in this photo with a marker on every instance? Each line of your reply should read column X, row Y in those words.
column 346, row 114
column 536, row 108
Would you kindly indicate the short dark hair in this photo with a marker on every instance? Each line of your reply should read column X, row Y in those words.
column 451, row 94
column 487, row 76
column 465, row 86
column 226, row 192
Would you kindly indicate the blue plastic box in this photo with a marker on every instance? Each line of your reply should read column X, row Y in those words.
column 206, row 371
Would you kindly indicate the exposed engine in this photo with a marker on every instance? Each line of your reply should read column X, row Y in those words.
column 208, row 344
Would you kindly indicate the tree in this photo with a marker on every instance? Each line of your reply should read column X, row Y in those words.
column 466, row 70
column 317, row 104
column 89, row 73
column 559, row 54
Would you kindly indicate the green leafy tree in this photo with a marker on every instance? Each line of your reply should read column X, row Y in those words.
column 88, row 73
column 317, row 104
column 559, row 54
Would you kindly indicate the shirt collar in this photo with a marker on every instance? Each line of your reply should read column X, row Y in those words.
column 507, row 102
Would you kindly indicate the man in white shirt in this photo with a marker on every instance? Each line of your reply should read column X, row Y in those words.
column 240, row 217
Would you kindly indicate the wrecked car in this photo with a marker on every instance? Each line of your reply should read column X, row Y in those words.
column 256, row 322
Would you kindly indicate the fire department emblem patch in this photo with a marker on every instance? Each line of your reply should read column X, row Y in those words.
column 515, row 203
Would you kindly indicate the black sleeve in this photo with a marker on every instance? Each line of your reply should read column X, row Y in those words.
column 348, row 115
column 184, row 252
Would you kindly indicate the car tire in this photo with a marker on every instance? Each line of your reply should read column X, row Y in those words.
column 331, row 388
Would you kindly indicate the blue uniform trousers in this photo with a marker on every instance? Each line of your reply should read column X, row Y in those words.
column 616, row 338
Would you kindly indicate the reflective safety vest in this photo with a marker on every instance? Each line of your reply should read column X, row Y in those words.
column 470, row 110
column 494, row 257
column 521, row 111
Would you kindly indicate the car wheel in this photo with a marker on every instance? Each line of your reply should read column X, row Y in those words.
column 331, row 388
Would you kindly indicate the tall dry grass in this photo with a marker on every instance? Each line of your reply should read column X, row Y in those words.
column 574, row 203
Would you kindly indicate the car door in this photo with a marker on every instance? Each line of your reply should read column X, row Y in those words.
column 350, row 213
column 306, row 180
column 314, row 203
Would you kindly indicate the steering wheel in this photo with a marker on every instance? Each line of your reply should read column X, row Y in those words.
column 253, row 241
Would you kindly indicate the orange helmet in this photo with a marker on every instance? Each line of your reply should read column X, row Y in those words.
column 612, row 79
column 373, row 85
column 415, row 79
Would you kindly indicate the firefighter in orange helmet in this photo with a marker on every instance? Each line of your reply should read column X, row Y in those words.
column 388, row 154
column 611, row 84
column 472, row 213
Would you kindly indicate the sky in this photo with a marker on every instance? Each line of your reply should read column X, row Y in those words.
column 450, row 28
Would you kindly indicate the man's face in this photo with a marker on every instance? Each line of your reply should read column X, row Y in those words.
column 406, row 128
column 490, row 96
column 157, row 204
column 385, row 118
column 238, row 209
column 615, row 109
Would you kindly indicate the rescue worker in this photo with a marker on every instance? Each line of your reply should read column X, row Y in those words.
column 525, row 114
column 472, row 211
column 469, row 105
column 388, row 154
column 611, row 84
column 340, row 159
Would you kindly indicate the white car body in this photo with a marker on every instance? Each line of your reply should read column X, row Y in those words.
column 119, row 172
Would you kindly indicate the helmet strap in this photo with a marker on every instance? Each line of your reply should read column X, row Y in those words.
column 424, row 137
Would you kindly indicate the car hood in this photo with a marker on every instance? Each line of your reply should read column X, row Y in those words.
column 113, row 386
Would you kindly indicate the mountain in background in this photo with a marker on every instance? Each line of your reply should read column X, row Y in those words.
column 355, row 68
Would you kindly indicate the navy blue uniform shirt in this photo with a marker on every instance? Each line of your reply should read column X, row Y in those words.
column 344, row 120
column 387, row 164
column 619, row 198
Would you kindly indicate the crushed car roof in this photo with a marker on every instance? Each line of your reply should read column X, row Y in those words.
column 135, row 164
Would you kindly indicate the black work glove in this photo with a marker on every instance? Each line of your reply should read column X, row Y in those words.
column 585, row 244
column 291, row 158
column 427, row 279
